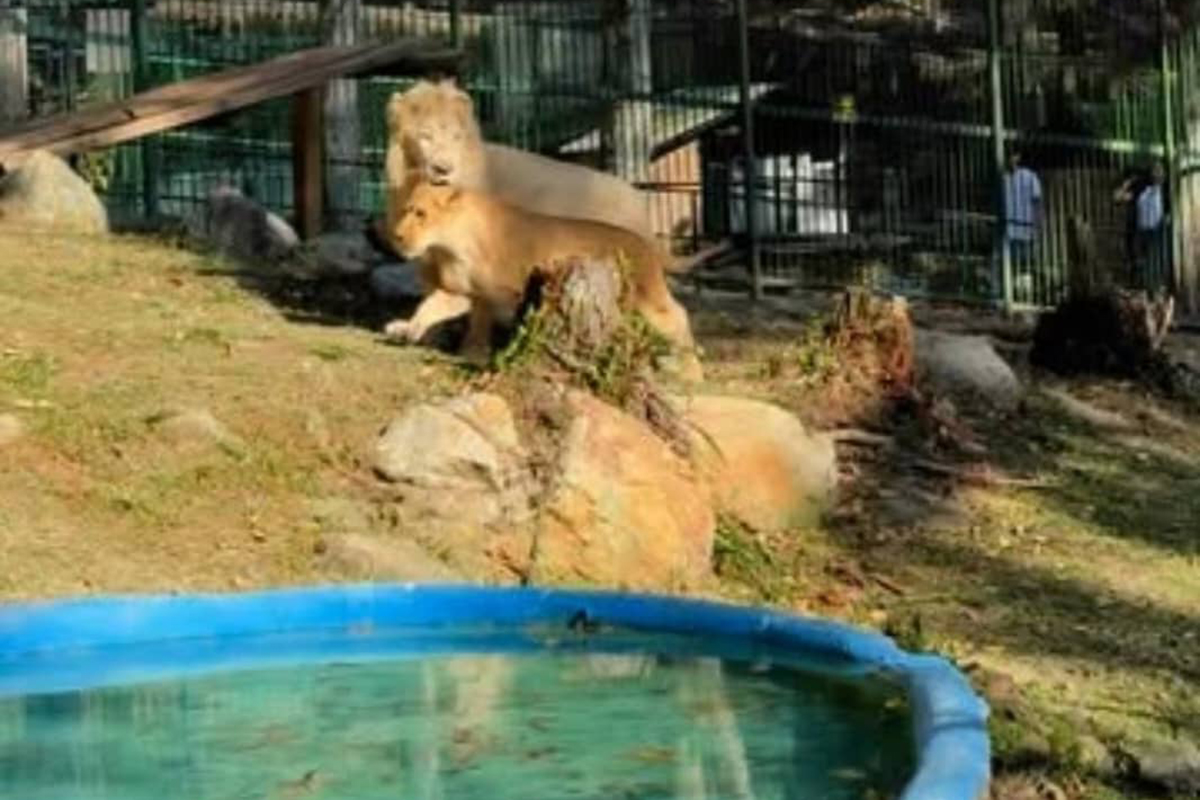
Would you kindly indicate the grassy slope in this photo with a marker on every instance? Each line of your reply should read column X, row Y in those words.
column 98, row 340
column 1086, row 591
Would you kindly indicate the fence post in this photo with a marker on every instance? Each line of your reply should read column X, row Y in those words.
column 749, row 169
column 141, row 79
column 1187, row 200
column 341, row 24
column 14, row 77
column 632, row 125
column 456, row 23
column 1000, row 253
column 1170, row 165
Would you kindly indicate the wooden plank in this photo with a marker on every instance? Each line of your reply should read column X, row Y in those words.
column 307, row 67
column 308, row 162
column 207, row 96
column 161, row 98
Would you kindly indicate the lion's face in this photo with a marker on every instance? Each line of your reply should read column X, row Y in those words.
column 424, row 217
column 436, row 124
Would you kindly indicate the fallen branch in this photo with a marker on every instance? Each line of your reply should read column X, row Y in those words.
column 860, row 437
column 980, row 475
column 888, row 584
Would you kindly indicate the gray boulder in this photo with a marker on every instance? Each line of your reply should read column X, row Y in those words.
column 960, row 365
column 238, row 227
column 396, row 280
column 345, row 253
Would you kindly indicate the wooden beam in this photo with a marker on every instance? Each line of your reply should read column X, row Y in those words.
column 308, row 161
column 200, row 98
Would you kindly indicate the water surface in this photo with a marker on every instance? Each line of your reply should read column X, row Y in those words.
column 546, row 724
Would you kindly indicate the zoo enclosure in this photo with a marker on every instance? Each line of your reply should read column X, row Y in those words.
column 876, row 134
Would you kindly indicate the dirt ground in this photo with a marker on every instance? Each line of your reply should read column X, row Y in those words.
column 175, row 425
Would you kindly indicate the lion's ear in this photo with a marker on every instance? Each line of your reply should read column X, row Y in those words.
column 395, row 112
column 462, row 100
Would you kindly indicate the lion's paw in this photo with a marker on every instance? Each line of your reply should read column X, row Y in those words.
column 400, row 330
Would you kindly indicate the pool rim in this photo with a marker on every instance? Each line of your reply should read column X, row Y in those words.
column 949, row 719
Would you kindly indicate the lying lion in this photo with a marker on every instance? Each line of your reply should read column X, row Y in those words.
column 487, row 250
column 433, row 136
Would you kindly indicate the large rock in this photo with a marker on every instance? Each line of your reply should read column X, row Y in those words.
column 624, row 509
column 957, row 364
column 461, row 460
column 345, row 253
column 45, row 193
column 1173, row 765
column 195, row 428
column 396, row 280
column 361, row 556
column 237, row 226
column 764, row 468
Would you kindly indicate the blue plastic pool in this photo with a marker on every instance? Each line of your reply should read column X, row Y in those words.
column 429, row 692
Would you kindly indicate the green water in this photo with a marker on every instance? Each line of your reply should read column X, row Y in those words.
column 544, row 725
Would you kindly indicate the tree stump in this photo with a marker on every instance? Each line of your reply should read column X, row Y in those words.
column 1099, row 328
column 880, row 327
column 587, row 301
column 1117, row 332
column 576, row 328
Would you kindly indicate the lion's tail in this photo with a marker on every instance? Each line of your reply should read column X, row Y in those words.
column 679, row 266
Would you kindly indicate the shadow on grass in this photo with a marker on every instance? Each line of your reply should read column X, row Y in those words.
column 983, row 593
column 343, row 301
column 1034, row 610
column 1118, row 488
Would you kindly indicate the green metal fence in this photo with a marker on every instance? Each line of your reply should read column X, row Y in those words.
column 876, row 136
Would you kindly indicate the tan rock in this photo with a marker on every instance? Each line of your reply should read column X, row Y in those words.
column 45, row 193
column 765, row 469
column 625, row 510
column 195, row 427
column 461, row 460
column 359, row 556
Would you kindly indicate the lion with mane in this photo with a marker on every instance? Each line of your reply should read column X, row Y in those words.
column 433, row 136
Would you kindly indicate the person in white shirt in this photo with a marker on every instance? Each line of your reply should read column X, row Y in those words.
column 1150, row 236
column 1022, row 212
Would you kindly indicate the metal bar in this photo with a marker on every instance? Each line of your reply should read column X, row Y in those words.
column 996, row 86
column 1171, row 168
column 456, row 23
column 749, row 169
column 137, row 34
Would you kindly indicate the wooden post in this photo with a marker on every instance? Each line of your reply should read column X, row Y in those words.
column 308, row 145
